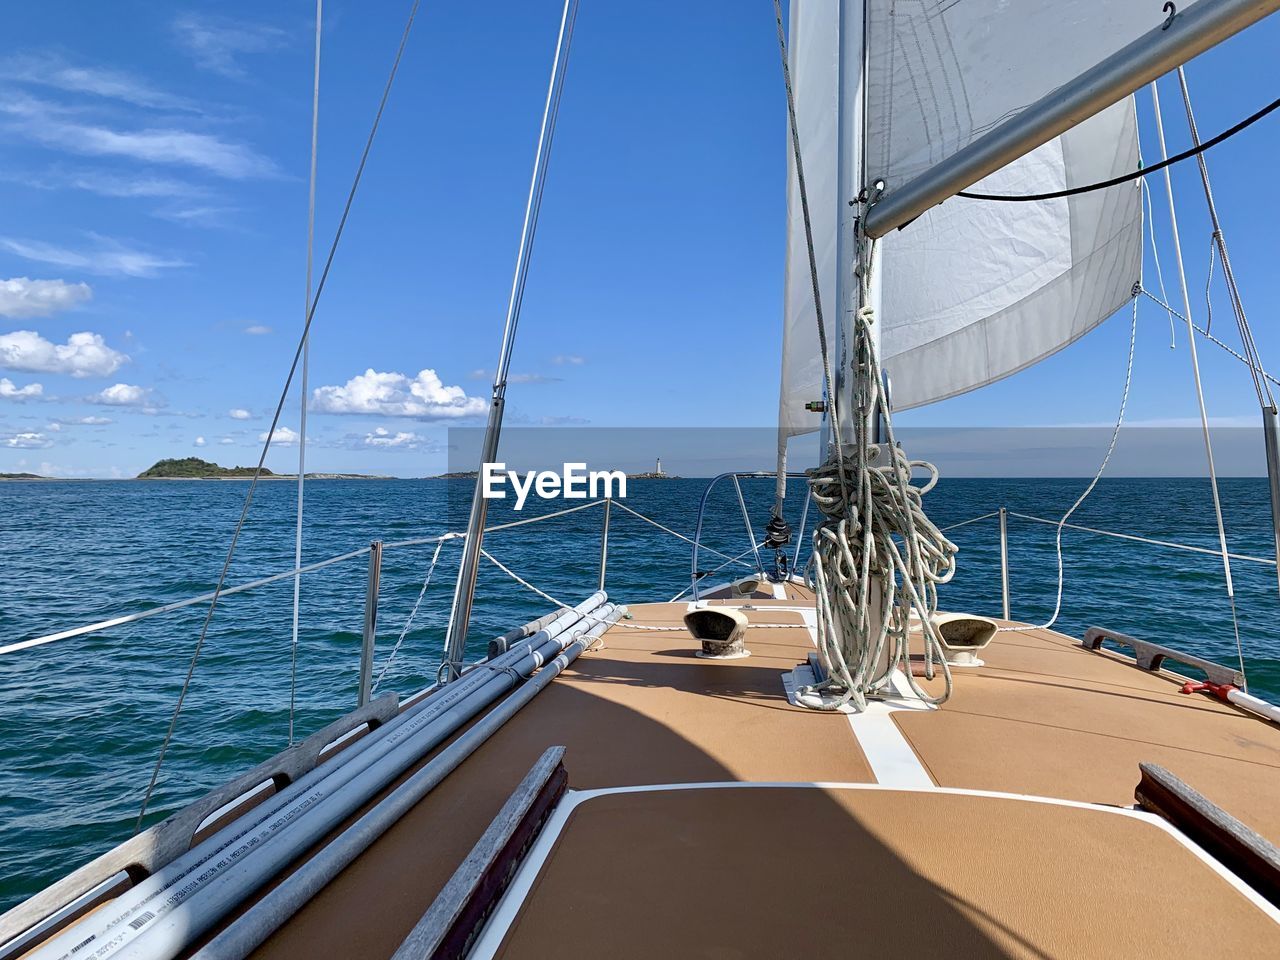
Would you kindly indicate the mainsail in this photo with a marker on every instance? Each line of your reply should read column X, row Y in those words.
column 971, row 291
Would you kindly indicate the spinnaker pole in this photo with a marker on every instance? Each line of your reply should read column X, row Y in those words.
column 464, row 591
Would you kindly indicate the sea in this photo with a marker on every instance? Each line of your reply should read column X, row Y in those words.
column 82, row 719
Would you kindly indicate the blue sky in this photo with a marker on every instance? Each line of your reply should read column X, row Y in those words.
column 153, row 187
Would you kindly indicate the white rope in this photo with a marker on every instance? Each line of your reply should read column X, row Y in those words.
column 1195, row 372
column 306, row 362
column 408, row 623
column 877, row 558
column 1155, row 257
column 1111, row 446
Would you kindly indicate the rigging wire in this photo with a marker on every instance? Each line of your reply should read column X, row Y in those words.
column 275, row 420
column 1195, row 372
column 1111, row 447
column 1248, row 343
column 1164, row 164
column 408, row 623
column 1204, row 333
column 306, row 364
column 798, row 159
column 455, row 638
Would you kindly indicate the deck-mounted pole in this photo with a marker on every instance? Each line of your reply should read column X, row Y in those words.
column 1004, row 561
column 469, row 567
column 604, row 540
column 370, row 622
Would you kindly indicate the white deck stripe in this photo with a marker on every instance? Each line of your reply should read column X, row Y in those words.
column 891, row 758
column 495, row 931
column 888, row 753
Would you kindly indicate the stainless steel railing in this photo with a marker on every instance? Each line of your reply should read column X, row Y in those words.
column 1003, row 514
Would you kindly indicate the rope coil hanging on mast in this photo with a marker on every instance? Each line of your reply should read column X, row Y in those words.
column 877, row 558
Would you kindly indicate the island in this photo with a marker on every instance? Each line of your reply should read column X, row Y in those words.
column 193, row 468
column 22, row 476
column 657, row 473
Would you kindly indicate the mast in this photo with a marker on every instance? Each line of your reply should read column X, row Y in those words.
column 469, row 568
column 850, row 171
column 1179, row 38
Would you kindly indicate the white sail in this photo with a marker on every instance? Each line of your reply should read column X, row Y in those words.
column 813, row 51
column 977, row 290
column 973, row 290
column 941, row 73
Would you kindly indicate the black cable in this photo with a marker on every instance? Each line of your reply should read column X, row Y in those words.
column 1125, row 178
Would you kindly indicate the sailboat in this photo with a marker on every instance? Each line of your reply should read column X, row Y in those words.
column 806, row 761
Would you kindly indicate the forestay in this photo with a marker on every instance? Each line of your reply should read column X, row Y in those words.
column 971, row 291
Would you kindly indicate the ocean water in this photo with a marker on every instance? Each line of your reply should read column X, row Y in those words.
column 81, row 720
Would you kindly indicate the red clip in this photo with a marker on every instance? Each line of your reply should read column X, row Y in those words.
column 1219, row 690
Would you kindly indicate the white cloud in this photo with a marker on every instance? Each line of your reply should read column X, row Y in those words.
column 11, row 391
column 568, row 359
column 49, row 70
column 515, row 377
column 28, row 441
column 55, row 427
column 217, row 43
column 281, row 436
column 50, row 125
column 129, row 187
column 83, row 355
column 123, row 395
column 257, row 330
column 199, row 441
column 226, row 441
column 23, row 298
column 396, row 395
column 105, row 184
column 91, row 421
column 110, row 257
column 239, row 414
column 382, row 437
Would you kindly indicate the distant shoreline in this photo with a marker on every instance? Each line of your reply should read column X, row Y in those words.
column 265, row 476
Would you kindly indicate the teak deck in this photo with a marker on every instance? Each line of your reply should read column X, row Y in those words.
column 1042, row 717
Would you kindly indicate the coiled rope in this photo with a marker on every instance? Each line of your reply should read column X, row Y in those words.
column 877, row 557
column 865, row 504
